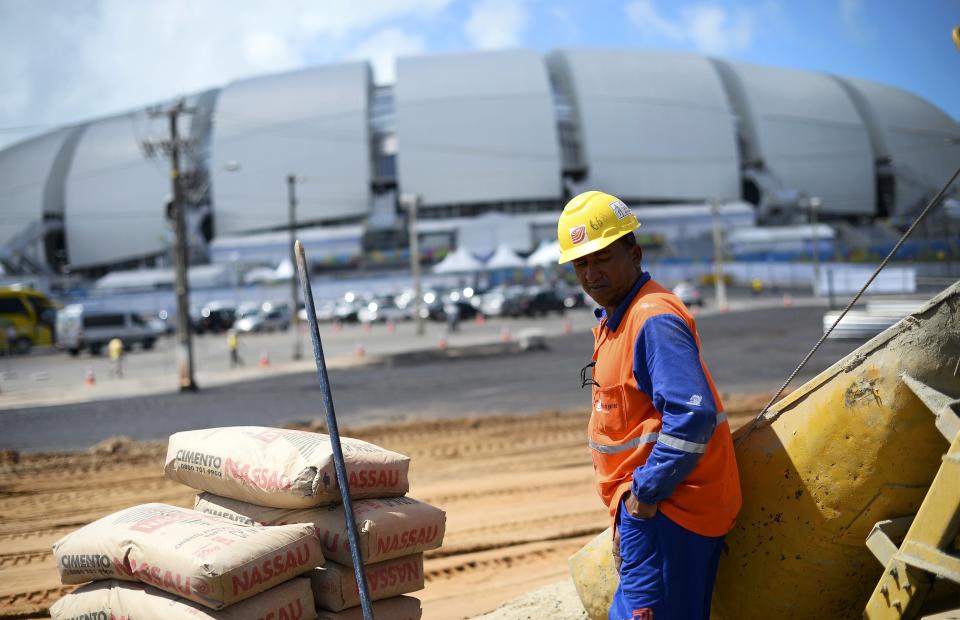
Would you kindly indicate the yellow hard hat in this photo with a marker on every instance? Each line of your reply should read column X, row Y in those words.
column 591, row 221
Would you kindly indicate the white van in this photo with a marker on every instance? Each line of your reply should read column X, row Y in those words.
column 79, row 329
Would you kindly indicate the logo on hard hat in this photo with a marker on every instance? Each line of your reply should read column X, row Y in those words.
column 620, row 210
column 578, row 234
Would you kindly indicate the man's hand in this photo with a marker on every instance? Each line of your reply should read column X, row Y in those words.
column 638, row 509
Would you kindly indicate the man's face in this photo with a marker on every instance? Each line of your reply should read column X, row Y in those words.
column 608, row 274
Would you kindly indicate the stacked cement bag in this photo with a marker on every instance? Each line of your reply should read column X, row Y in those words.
column 186, row 564
column 265, row 477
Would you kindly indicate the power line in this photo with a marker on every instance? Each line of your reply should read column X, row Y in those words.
column 26, row 128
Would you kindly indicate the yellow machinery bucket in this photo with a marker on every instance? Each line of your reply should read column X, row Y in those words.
column 852, row 447
column 595, row 575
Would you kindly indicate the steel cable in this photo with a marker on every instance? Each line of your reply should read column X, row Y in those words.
column 934, row 202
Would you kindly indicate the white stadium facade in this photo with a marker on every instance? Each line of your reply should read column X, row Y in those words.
column 510, row 134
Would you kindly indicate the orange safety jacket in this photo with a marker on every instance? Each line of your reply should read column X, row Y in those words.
column 673, row 413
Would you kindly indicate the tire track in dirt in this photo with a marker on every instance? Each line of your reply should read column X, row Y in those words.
column 26, row 557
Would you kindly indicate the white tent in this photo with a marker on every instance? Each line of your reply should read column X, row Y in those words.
column 460, row 261
column 546, row 255
column 504, row 258
column 260, row 275
column 266, row 275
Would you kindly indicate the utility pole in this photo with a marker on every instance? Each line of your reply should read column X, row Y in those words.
column 180, row 254
column 720, row 285
column 411, row 202
column 294, row 297
column 814, row 205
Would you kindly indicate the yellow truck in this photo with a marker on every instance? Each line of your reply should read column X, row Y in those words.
column 29, row 318
column 851, row 488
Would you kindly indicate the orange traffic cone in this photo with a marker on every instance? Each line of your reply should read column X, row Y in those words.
column 787, row 300
column 264, row 359
column 443, row 343
column 391, row 327
column 366, row 328
column 567, row 327
column 480, row 319
column 505, row 334
column 337, row 326
column 90, row 379
column 360, row 350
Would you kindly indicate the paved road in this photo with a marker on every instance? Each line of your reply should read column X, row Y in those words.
column 745, row 351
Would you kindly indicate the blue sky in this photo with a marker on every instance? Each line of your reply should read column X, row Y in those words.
column 70, row 60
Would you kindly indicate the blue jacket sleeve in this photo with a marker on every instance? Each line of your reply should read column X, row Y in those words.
column 666, row 365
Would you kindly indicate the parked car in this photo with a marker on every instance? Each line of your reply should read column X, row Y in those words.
column 325, row 310
column 439, row 309
column 216, row 318
column 571, row 294
column 502, row 301
column 30, row 318
column 79, row 329
column 541, row 301
column 347, row 311
column 689, row 294
column 164, row 322
column 383, row 308
column 265, row 317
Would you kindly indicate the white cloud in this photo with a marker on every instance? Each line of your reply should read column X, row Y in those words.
column 267, row 50
column 496, row 24
column 382, row 49
column 70, row 61
column 715, row 32
column 647, row 19
column 851, row 9
column 709, row 28
column 851, row 14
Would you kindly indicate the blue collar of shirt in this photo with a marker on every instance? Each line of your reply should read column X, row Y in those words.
column 613, row 322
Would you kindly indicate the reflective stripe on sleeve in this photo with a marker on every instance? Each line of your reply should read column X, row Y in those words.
column 682, row 444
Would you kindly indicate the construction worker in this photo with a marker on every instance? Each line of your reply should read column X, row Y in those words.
column 115, row 350
column 233, row 344
column 661, row 446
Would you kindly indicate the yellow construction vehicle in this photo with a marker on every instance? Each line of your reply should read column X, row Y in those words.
column 851, row 488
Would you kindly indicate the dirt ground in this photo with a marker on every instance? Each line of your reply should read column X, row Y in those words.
column 518, row 492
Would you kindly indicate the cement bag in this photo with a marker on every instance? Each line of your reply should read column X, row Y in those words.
column 281, row 468
column 202, row 558
column 335, row 586
column 110, row 600
column 396, row 608
column 389, row 528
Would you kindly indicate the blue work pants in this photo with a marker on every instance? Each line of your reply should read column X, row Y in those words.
column 667, row 572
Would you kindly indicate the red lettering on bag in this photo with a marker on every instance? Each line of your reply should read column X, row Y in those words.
column 411, row 538
column 330, row 541
column 281, row 563
column 374, row 478
column 390, row 576
column 263, row 478
column 290, row 611
column 152, row 524
column 269, row 435
column 168, row 580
